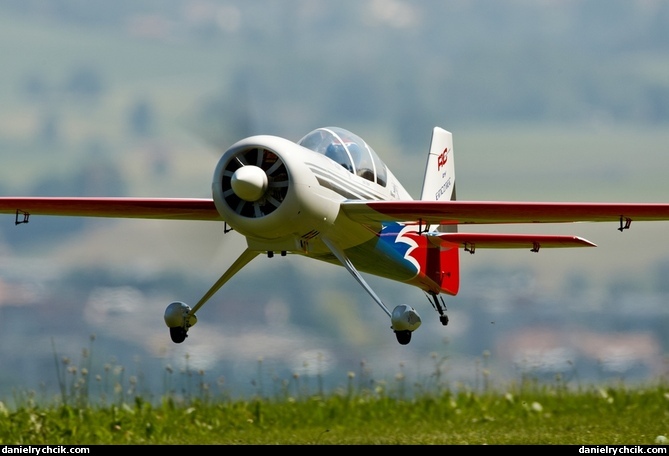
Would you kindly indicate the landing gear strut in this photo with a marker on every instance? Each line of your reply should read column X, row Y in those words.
column 438, row 304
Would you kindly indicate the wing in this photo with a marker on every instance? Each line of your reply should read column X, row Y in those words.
column 500, row 212
column 147, row 208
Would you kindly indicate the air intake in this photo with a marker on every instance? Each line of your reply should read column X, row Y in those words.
column 249, row 193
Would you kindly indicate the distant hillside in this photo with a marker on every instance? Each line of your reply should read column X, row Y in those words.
column 291, row 64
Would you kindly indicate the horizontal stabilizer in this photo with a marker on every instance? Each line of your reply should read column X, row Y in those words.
column 471, row 241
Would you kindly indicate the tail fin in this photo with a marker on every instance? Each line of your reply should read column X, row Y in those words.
column 443, row 264
column 439, row 180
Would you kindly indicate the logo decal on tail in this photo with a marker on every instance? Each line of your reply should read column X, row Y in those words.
column 442, row 159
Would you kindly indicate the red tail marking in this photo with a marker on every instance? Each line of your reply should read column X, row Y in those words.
column 442, row 159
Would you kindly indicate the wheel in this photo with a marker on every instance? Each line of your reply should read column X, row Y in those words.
column 443, row 319
column 178, row 334
column 403, row 337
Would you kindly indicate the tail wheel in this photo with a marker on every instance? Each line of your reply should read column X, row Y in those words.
column 277, row 177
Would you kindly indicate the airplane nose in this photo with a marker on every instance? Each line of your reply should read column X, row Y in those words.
column 249, row 183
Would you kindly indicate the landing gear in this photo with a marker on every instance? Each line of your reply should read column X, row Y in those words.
column 179, row 317
column 403, row 319
column 403, row 337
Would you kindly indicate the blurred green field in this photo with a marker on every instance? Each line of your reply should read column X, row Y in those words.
column 111, row 406
column 527, row 414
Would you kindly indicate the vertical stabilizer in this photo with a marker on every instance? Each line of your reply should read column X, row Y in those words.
column 439, row 185
column 439, row 179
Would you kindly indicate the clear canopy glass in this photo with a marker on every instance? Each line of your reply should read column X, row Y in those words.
column 349, row 150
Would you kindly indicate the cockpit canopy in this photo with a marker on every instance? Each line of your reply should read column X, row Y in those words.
column 348, row 150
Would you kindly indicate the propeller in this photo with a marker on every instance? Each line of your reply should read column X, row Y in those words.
column 255, row 182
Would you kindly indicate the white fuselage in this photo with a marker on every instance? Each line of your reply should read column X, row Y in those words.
column 310, row 207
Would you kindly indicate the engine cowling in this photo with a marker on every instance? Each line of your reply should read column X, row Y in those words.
column 262, row 189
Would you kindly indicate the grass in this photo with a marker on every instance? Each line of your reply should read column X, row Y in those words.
column 193, row 411
column 524, row 415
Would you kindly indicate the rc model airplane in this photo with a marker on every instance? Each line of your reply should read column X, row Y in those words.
column 329, row 197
